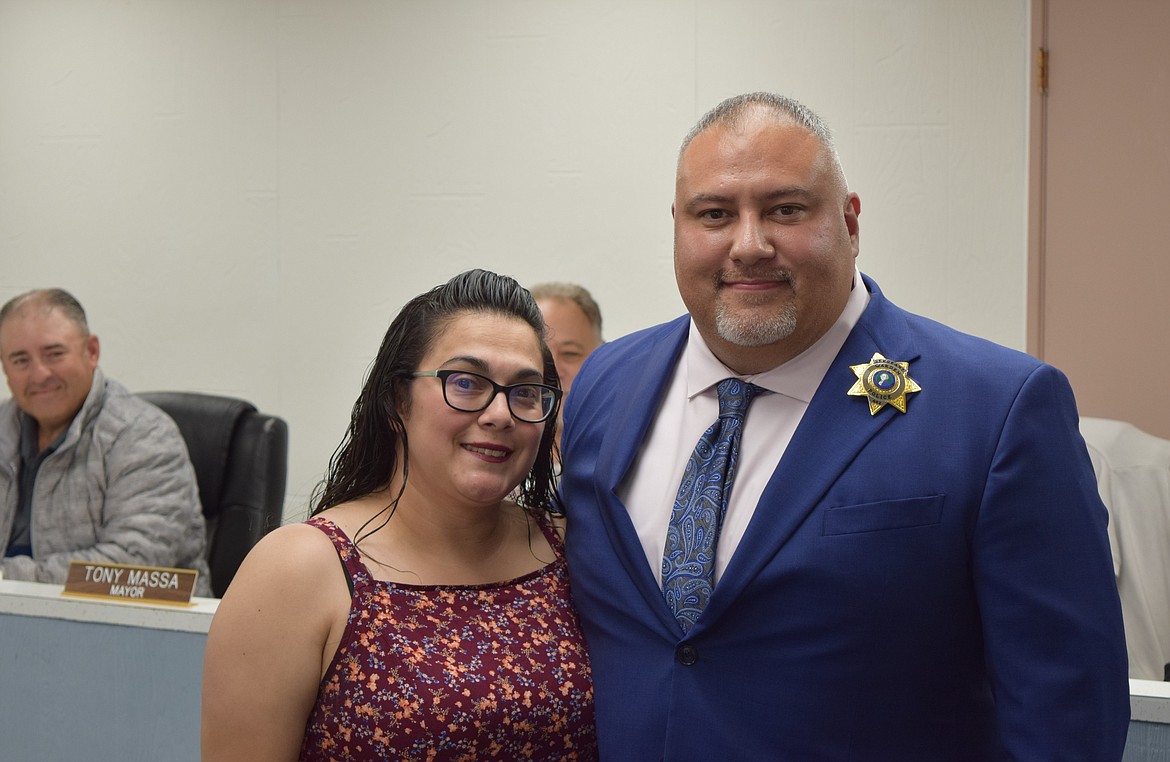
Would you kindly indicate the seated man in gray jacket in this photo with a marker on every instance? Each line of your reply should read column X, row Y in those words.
column 88, row 471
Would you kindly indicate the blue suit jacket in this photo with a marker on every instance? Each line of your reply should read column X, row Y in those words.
column 934, row 585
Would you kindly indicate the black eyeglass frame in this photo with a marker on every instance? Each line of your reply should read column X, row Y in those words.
column 446, row 373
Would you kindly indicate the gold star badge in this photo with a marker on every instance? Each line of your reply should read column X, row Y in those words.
column 884, row 382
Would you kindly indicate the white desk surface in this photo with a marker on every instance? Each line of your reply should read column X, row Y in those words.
column 36, row 599
column 1149, row 701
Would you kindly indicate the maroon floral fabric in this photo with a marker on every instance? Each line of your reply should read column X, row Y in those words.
column 455, row 672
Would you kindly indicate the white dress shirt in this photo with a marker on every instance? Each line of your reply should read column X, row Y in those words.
column 691, row 404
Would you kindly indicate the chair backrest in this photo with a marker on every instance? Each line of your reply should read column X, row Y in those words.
column 240, row 458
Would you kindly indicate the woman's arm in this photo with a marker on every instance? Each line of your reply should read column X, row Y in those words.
column 274, row 632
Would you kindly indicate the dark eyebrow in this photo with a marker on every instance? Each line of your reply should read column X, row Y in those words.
column 474, row 362
column 793, row 192
column 19, row 353
column 529, row 376
column 702, row 199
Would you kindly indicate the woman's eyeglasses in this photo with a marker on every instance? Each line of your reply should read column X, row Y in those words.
column 471, row 392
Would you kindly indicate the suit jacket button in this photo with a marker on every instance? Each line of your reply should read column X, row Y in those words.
column 686, row 654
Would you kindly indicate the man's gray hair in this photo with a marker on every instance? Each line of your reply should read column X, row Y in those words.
column 47, row 299
column 736, row 110
column 571, row 292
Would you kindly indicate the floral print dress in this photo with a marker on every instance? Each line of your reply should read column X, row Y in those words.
column 455, row 672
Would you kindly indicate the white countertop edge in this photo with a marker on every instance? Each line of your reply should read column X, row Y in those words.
column 1149, row 701
column 36, row 599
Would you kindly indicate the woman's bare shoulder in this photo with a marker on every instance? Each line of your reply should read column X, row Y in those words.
column 294, row 562
column 293, row 545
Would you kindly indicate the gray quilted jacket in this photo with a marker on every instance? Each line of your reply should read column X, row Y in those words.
column 119, row 489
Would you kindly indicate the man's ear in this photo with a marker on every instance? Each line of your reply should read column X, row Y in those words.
column 852, row 211
column 92, row 350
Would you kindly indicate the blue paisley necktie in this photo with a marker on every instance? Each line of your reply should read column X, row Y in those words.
column 688, row 563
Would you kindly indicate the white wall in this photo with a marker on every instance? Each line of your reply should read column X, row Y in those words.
column 242, row 193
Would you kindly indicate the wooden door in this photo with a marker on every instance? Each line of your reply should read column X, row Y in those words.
column 1099, row 223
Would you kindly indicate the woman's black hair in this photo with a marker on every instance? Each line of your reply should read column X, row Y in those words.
column 367, row 458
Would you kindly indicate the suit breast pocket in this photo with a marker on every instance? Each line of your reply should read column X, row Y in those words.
column 887, row 514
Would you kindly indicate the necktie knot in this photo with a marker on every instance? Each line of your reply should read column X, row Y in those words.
column 734, row 397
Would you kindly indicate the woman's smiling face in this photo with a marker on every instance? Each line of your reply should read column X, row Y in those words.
column 473, row 458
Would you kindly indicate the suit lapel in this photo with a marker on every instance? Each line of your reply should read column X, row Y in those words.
column 634, row 411
column 631, row 418
column 834, row 429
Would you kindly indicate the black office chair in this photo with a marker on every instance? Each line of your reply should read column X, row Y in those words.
column 241, row 464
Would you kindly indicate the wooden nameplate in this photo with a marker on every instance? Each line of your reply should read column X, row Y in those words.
column 127, row 583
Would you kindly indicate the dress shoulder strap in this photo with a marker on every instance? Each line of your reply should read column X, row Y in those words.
column 552, row 534
column 356, row 573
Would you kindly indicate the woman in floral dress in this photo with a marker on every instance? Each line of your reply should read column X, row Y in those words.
column 420, row 614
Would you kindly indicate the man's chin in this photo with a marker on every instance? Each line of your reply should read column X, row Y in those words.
column 42, row 412
column 752, row 330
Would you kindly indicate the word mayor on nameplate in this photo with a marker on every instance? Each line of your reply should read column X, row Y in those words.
column 123, row 582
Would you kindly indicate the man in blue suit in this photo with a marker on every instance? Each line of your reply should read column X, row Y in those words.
column 912, row 562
